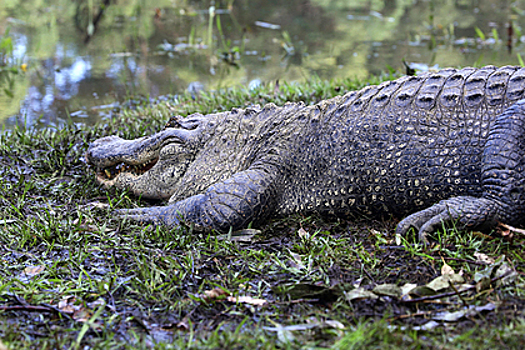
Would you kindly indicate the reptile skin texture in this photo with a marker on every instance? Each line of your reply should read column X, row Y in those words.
column 444, row 148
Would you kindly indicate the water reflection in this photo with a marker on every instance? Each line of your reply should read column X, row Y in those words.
column 157, row 48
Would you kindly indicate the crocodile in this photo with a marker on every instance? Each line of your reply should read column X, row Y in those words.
column 444, row 148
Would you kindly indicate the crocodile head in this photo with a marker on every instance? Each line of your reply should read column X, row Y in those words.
column 149, row 166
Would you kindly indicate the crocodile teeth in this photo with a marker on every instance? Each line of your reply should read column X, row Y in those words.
column 113, row 171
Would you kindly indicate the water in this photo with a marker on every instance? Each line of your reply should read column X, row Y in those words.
column 154, row 48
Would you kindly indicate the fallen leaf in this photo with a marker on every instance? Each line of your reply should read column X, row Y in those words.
column 443, row 282
column 183, row 325
column 214, row 293
column 483, row 274
column 497, row 269
column 376, row 232
column 98, row 205
column 391, row 290
column 306, row 326
column 509, row 230
column 406, row 288
column 426, row 327
column 284, row 334
column 310, row 291
column 247, row 300
column 31, row 271
column 96, row 303
column 357, row 283
column 446, row 269
column 468, row 312
column 82, row 314
column 505, row 269
column 67, row 304
column 335, row 324
column 360, row 293
column 422, row 291
column 484, row 258
column 483, row 284
column 303, row 233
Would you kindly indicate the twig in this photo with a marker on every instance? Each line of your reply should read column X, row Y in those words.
column 34, row 308
column 24, row 305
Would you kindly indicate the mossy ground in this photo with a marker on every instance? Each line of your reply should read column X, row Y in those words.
column 71, row 276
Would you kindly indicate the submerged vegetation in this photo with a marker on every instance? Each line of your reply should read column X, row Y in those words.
column 72, row 276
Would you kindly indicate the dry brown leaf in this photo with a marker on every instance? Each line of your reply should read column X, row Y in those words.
column 214, row 293
column 446, row 269
column 98, row 205
column 82, row 314
column 30, row 271
column 303, row 233
column 508, row 230
column 183, row 324
column 509, row 272
column 360, row 293
column 484, row 258
column 334, row 324
column 247, row 300
column 67, row 305
column 388, row 289
column 444, row 281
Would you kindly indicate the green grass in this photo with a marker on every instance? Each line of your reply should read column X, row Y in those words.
column 71, row 276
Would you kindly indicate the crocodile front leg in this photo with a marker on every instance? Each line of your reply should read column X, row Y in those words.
column 245, row 197
column 502, row 179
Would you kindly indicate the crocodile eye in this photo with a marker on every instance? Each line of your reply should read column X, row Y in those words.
column 173, row 122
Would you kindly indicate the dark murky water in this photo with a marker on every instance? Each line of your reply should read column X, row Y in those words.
column 153, row 48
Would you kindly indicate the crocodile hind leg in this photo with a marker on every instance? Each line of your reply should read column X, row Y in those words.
column 245, row 197
column 464, row 212
column 502, row 180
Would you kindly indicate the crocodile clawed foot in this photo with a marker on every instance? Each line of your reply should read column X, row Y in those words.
column 151, row 215
column 461, row 212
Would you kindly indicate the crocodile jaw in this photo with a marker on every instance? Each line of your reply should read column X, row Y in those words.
column 149, row 166
column 108, row 175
